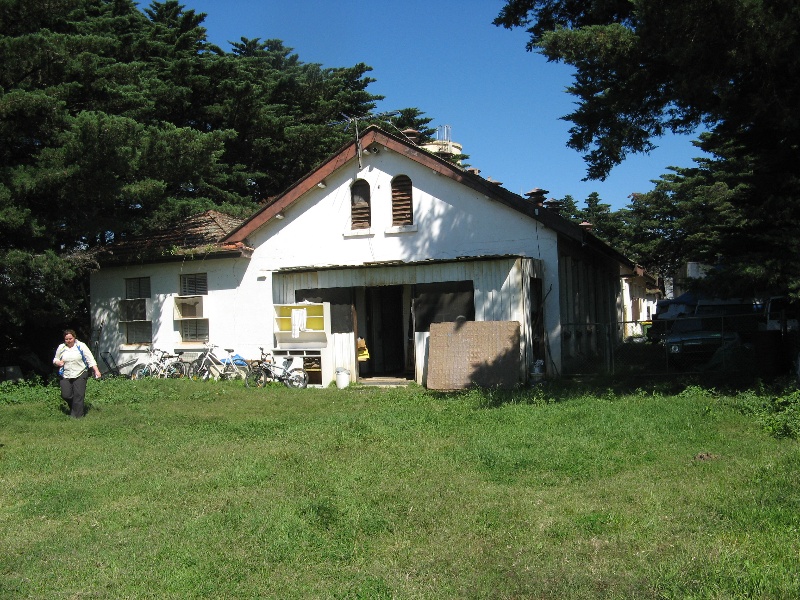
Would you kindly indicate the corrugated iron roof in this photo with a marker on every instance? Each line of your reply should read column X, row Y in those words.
column 395, row 263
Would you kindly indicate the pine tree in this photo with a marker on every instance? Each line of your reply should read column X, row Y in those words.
column 115, row 122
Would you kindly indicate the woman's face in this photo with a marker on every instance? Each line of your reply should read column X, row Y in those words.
column 69, row 340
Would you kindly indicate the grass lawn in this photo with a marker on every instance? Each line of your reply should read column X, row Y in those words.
column 181, row 489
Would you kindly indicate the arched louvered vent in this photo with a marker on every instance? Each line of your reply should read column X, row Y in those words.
column 359, row 205
column 402, row 206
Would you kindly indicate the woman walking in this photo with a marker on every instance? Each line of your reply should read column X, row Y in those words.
column 75, row 361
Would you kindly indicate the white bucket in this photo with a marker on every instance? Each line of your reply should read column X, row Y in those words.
column 342, row 378
column 537, row 374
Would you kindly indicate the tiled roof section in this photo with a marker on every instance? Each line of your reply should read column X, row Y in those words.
column 198, row 235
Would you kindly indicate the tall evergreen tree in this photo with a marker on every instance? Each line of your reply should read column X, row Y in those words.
column 570, row 210
column 648, row 67
column 116, row 121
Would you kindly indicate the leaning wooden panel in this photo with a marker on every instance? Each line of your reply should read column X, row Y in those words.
column 474, row 354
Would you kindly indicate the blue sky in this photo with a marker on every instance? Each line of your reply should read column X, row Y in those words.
column 446, row 58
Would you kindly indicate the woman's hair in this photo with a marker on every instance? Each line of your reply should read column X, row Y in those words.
column 70, row 332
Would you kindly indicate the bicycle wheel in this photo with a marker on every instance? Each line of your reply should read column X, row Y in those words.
column 241, row 373
column 175, row 370
column 199, row 370
column 141, row 371
column 136, row 372
column 296, row 378
column 232, row 372
column 256, row 378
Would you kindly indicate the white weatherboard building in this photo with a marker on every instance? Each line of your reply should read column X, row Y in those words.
column 377, row 243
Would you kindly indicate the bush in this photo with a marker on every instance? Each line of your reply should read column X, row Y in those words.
column 34, row 389
column 781, row 415
column 777, row 413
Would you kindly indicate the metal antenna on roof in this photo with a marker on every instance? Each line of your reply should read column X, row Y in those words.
column 347, row 119
column 369, row 116
column 358, row 145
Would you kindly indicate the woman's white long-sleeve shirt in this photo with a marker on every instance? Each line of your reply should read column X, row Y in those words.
column 74, row 366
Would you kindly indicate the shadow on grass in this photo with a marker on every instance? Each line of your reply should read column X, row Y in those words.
column 728, row 382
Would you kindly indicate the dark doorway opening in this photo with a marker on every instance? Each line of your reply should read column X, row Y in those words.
column 384, row 331
column 536, row 301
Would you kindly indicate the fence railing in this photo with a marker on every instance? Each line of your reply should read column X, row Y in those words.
column 682, row 346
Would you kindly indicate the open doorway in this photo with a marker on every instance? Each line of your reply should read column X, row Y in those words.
column 536, row 301
column 383, row 332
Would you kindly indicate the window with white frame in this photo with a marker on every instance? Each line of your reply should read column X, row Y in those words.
column 190, row 307
column 135, row 311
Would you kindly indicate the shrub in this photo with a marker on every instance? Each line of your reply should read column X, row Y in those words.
column 781, row 415
column 778, row 413
column 34, row 389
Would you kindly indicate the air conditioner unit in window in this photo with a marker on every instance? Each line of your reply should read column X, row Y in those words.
column 189, row 307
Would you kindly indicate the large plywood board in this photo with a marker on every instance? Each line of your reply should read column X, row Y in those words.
column 473, row 353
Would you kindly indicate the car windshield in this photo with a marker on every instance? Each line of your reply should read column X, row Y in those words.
column 726, row 309
column 691, row 324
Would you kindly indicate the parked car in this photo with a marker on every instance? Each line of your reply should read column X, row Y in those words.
column 693, row 341
column 666, row 312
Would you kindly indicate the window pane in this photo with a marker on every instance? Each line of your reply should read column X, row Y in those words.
column 133, row 310
column 341, row 300
column 140, row 332
column 442, row 302
column 194, row 330
column 195, row 284
column 137, row 287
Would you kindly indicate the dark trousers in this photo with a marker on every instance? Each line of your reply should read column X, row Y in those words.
column 74, row 392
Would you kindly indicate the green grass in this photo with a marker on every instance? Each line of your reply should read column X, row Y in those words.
column 180, row 489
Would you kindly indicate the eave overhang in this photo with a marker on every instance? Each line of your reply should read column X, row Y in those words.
column 398, row 263
column 109, row 258
column 493, row 191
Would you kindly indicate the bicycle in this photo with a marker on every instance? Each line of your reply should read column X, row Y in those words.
column 210, row 366
column 161, row 364
column 151, row 367
column 175, row 366
column 266, row 371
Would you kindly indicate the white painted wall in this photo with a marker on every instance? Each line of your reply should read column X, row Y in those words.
column 634, row 293
column 451, row 221
column 238, row 306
